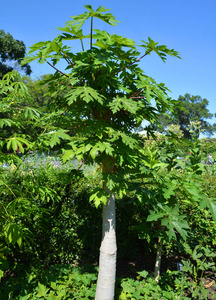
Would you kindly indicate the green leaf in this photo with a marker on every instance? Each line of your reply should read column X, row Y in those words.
column 170, row 190
column 212, row 208
column 31, row 113
column 94, row 151
column 55, row 137
column 42, row 290
column 162, row 51
column 85, row 93
column 17, row 143
column 210, row 203
column 7, row 122
column 109, row 149
column 68, row 154
column 154, row 216
column 106, row 17
column 110, row 184
column 143, row 274
column 171, row 219
column 13, row 234
column 98, row 198
column 124, row 103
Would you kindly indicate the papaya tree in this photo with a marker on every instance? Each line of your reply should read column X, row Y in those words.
column 105, row 97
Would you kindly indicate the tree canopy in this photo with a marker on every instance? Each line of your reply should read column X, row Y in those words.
column 11, row 50
column 189, row 109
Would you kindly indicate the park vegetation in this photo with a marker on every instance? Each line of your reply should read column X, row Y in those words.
column 70, row 156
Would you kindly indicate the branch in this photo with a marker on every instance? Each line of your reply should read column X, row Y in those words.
column 91, row 33
column 82, row 45
column 137, row 97
column 67, row 59
column 68, row 108
column 56, row 69
column 83, row 162
column 133, row 62
column 136, row 93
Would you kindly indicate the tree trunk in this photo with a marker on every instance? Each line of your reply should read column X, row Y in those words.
column 158, row 259
column 108, row 250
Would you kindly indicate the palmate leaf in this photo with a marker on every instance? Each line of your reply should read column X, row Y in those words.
column 13, row 234
column 162, row 51
column 100, row 14
column 104, row 38
column 68, row 154
column 99, row 197
column 13, row 91
column 124, row 103
column 8, row 122
column 73, row 27
column 170, row 189
column 31, row 113
column 73, row 31
column 209, row 203
column 101, row 147
column 154, row 216
column 48, row 49
column 171, row 219
column 193, row 189
column 128, row 140
column 54, row 137
column 73, row 35
column 16, row 143
column 86, row 94
column 152, row 90
column 42, row 290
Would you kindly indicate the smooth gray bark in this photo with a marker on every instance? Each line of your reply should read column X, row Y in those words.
column 158, row 259
column 108, row 250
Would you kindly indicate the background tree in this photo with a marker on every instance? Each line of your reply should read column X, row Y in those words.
column 189, row 109
column 11, row 50
column 38, row 91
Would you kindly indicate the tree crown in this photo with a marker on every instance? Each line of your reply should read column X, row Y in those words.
column 106, row 94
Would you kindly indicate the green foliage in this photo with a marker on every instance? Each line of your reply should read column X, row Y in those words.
column 145, row 287
column 98, row 101
column 69, row 282
column 200, row 262
column 171, row 219
column 60, row 282
column 16, row 115
column 42, row 211
column 66, row 231
column 160, row 50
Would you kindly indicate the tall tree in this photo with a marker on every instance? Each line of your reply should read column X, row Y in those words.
column 189, row 109
column 11, row 50
column 106, row 96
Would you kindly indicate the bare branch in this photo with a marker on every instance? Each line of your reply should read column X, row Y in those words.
column 56, row 69
column 67, row 59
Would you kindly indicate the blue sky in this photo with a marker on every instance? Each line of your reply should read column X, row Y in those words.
column 188, row 26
